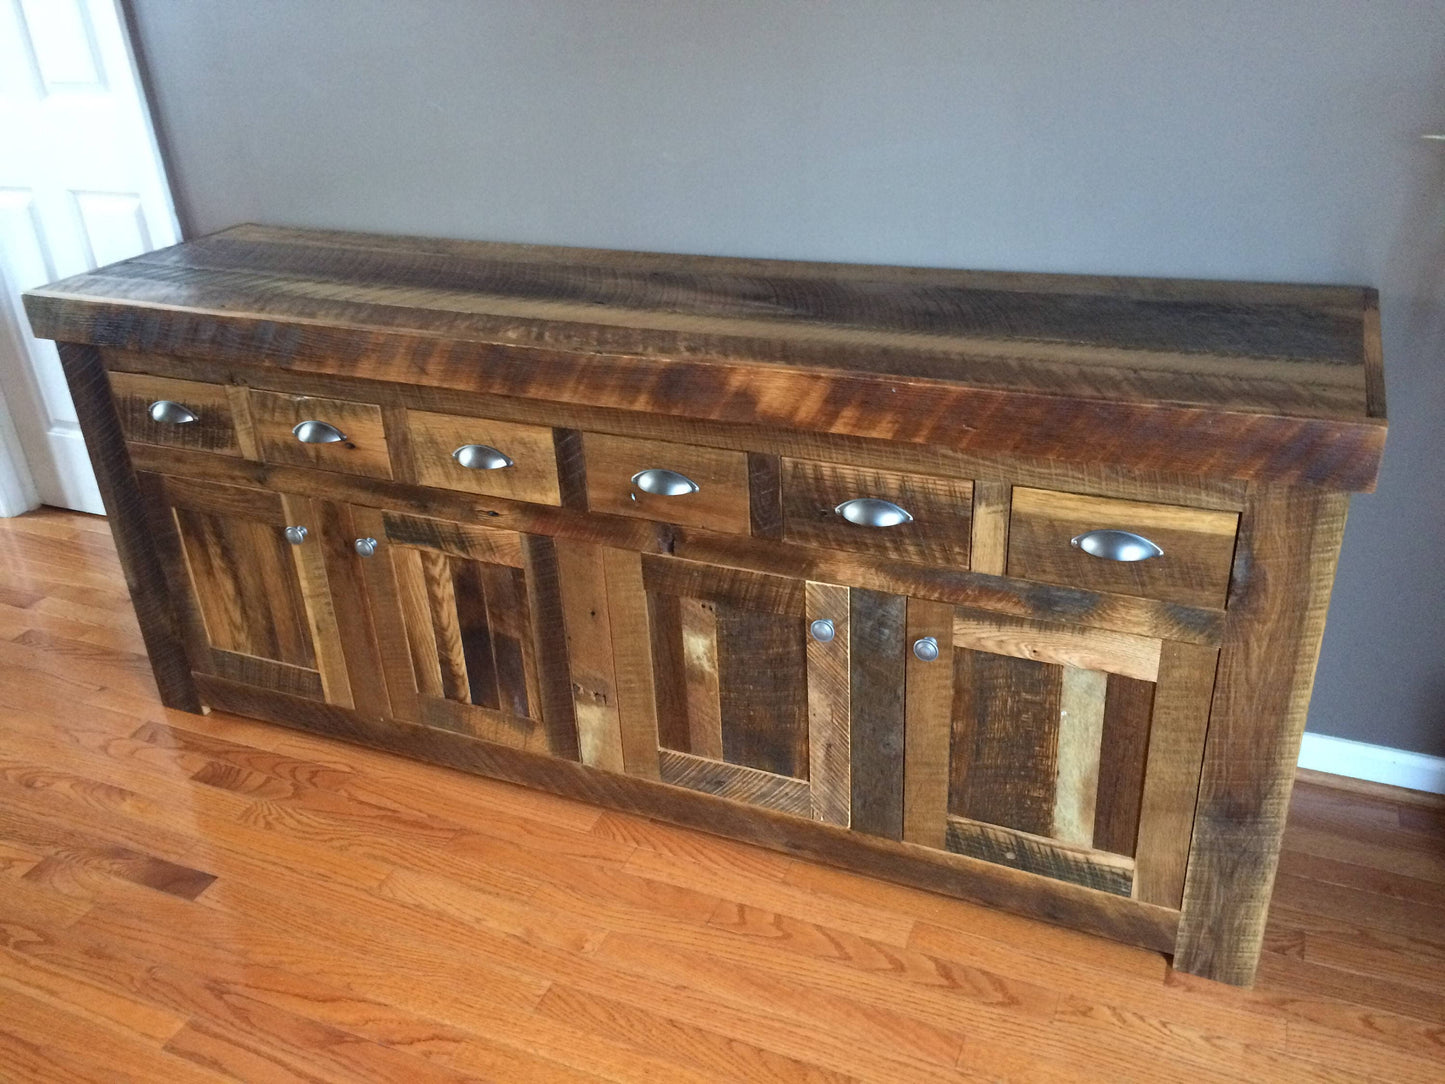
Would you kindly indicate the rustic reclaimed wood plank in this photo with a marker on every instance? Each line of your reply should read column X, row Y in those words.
column 383, row 606
column 1171, row 773
column 363, row 449
column 582, row 585
column 1064, row 645
column 739, row 782
column 1004, row 764
column 554, row 681
column 532, row 475
column 928, row 702
column 720, row 501
column 1082, row 695
column 487, row 544
column 631, row 644
column 877, row 624
column 411, row 585
column 697, row 632
column 762, row 690
column 989, row 550
column 316, row 600
column 1290, row 543
column 446, row 624
column 1128, row 708
column 359, row 644
column 830, row 728
column 214, row 427
column 1041, row 855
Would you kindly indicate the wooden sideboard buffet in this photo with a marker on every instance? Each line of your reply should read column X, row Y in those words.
column 1005, row 586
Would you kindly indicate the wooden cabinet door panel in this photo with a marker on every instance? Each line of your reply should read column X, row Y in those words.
column 1067, row 752
column 256, row 608
column 736, row 698
column 468, row 622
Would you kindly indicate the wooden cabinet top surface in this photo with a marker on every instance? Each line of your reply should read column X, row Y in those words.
column 1272, row 383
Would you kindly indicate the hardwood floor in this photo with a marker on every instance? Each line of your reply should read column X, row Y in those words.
column 206, row 898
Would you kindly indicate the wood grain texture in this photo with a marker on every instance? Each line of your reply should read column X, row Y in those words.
column 830, row 732
column 989, row 550
column 719, row 504
column 363, row 452
column 746, row 590
column 1037, row 854
column 632, row 658
column 1004, row 762
column 1171, row 773
column 359, row 646
column 983, row 882
column 1248, row 381
column 765, row 495
column 998, row 594
column 863, row 979
column 544, row 600
column 316, row 602
column 160, row 622
column 384, row 613
column 928, row 701
column 877, row 625
column 1128, row 708
column 1082, row 695
column 1198, row 546
column 489, row 545
column 762, row 689
column 942, row 510
column 214, row 429
column 582, row 584
column 737, row 782
column 1063, row 645
column 697, row 631
column 1288, row 549
column 531, row 477
column 1094, row 477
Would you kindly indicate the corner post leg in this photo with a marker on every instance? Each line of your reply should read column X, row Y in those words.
column 154, row 608
column 1284, row 567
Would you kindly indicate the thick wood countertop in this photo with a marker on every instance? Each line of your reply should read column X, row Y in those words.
column 1272, row 383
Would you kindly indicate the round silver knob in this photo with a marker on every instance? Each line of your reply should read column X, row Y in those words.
column 925, row 648
column 822, row 630
column 296, row 535
column 365, row 546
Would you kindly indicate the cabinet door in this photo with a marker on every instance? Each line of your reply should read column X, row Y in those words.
column 1062, row 750
column 256, row 606
column 469, row 625
column 732, row 682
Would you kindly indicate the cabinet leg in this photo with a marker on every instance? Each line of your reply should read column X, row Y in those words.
column 154, row 608
column 1284, row 566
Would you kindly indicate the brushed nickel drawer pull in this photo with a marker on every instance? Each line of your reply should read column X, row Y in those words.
column 822, row 630
column 872, row 512
column 661, row 482
column 296, row 535
column 169, row 413
column 481, row 457
column 1109, row 545
column 925, row 648
column 365, row 547
column 314, row 432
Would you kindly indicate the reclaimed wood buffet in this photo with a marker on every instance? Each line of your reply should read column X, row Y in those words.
column 1005, row 586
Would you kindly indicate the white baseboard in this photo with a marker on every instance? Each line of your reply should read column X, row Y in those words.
column 1376, row 763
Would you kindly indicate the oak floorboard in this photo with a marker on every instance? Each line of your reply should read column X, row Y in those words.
column 373, row 918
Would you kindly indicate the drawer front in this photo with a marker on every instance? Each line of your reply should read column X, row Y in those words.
column 719, row 502
column 531, row 474
column 941, row 511
column 192, row 414
column 362, row 451
column 1193, row 568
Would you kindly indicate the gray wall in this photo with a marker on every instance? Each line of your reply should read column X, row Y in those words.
column 1274, row 141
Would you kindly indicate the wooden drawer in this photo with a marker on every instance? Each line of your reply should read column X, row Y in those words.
column 219, row 413
column 531, row 476
column 1197, row 544
column 363, row 451
column 942, row 511
column 720, row 502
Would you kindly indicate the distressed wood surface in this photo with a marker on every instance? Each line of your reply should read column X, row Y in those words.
column 1250, row 381
column 877, row 625
column 719, row 504
column 1288, row 550
column 1128, row 709
column 941, row 508
column 531, row 477
column 364, row 451
column 582, row 579
column 989, row 549
column 830, row 727
column 214, row 429
column 1198, row 546
column 1065, row 645
column 1036, row 854
column 1082, row 696
column 928, row 733
column 193, row 888
column 736, row 781
column 631, row 645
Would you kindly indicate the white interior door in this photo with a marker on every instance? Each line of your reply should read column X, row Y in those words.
column 81, row 185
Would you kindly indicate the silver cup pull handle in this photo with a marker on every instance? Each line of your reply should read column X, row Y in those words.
column 872, row 512
column 169, row 413
column 481, row 457
column 1110, row 545
column 661, row 482
column 314, row 432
